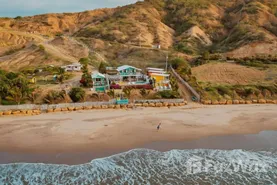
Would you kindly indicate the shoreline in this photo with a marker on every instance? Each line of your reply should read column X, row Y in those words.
column 262, row 141
column 80, row 135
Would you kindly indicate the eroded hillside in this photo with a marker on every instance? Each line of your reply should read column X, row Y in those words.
column 234, row 28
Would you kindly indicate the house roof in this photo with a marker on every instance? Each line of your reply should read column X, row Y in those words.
column 98, row 75
column 158, row 74
column 126, row 67
column 74, row 64
column 154, row 69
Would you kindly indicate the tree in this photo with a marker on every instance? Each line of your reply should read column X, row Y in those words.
column 77, row 94
column 86, row 77
column 144, row 92
column 206, row 55
column 61, row 74
column 53, row 97
column 127, row 91
column 102, row 67
column 19, row 90
column 111, row 93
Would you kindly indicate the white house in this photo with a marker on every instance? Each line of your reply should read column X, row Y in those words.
column 73, row 67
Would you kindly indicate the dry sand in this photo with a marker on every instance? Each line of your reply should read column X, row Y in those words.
column 124, row 129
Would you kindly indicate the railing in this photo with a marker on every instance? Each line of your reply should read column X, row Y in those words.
column 186, row 84
column 161, row 101
column 44, row 107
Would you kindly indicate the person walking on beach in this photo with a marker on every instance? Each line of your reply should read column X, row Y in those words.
column 159, row 126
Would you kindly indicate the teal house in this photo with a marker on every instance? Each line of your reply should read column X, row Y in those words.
column 100, row 82
column 129, row 73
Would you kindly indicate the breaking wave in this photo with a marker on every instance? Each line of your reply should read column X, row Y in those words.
column 142, row 166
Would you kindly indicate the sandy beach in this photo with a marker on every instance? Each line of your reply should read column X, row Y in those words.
column 106, row 132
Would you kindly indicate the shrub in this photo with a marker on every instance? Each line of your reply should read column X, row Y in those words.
column 127, row 91
column 77, row 94
column 18, row 17
column 168, row 94
column 144, row 92
column 54, row 97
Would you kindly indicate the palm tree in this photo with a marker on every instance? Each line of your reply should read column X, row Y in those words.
column 61, row 74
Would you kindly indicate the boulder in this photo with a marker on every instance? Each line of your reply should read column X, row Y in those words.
column 96, row 106
column 36, row 111
column 262, row 101
column 222, row 102
column 254, row 101
column 78, row 108
column 235, row 102
column 176, row 104
column 1, row 113
column 185, row 102
column 64, row 109
column 16, row 112
column 130, row 106
column 248, row 102
column 29, row 112
column 138, row 104
column 104, row 106
column 207, row 102
column 23, row 111
column 145, row 105
column 270, row 101
column 171, row 104
column 7, row 112
column 49, row 110
column 87, row 107
column 57, row 110
column 215, row 102
column 159, row 104
column 123, row 106
column 70, row 108
column 111, row 106
column 275, row 101
column 242, row 102
column 152, row 105
column 117, row 106
column 229, row 102
column 182, row 104
column 165, row 104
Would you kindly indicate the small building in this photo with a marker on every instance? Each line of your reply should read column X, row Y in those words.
column 156, row 46
column 100, row 82
column 32, row 79
column 73, row 67
column 160, row 78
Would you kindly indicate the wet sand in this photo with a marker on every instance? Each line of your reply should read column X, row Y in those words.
column 79, row 137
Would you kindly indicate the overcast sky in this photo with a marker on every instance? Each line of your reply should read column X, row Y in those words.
column 12, row 8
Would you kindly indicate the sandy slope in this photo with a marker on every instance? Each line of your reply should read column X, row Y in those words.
column 114, row 129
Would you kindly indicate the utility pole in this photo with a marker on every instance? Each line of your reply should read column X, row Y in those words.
column 139, row 37
column 166, row 61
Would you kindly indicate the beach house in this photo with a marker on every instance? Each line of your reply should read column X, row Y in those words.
column 73, row 67
column 160, row 78
column 100, row 82
column 125, row 75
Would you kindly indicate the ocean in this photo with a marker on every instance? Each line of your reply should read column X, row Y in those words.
column 151, row 167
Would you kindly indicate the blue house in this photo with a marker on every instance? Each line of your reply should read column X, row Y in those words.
column 100, row 82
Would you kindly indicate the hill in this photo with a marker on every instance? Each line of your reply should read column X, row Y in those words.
column 189, row 28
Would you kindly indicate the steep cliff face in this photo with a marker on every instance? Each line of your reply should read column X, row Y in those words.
column 236, row 28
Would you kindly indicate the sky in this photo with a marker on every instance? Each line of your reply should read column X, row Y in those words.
column 13, row 8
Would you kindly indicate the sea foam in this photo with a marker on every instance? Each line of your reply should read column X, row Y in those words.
column 143, row 166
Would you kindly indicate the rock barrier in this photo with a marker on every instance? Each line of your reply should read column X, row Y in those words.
column 94, row 107
column 237, row 102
